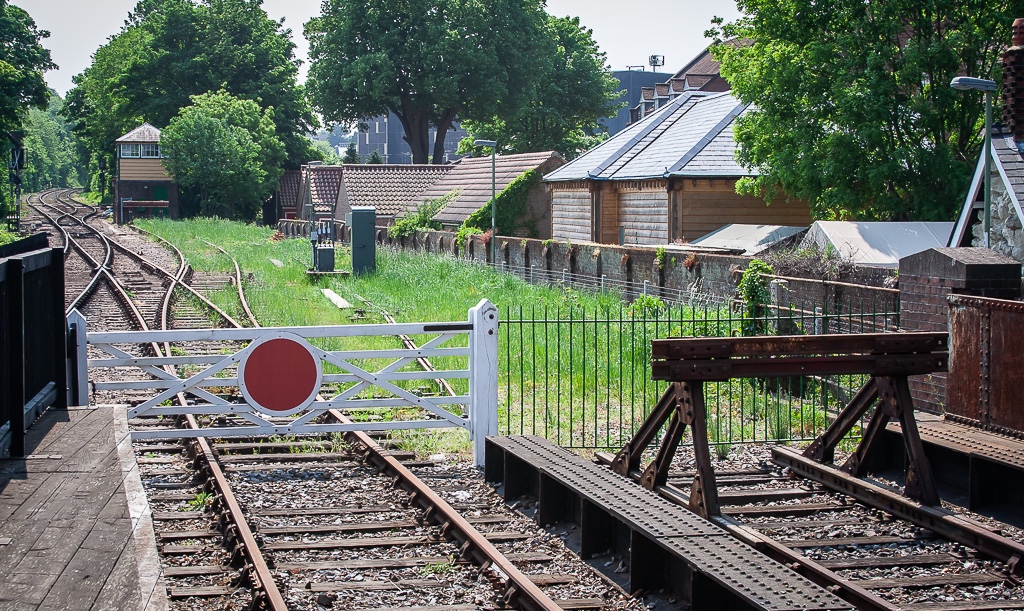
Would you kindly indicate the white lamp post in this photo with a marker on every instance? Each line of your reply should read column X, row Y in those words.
column 494, row 234
column 964, row 83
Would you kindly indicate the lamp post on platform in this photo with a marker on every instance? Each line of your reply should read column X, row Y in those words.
column 494, row 234
column 965, row 83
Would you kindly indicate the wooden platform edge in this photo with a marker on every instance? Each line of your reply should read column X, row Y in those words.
column 152, row 588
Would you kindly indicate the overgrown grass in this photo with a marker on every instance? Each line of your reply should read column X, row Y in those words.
column 575, row 365
column 94, row 198
column 6, row 237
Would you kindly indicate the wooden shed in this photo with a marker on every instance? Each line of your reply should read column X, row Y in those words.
column 669, row 178
column 142, row 185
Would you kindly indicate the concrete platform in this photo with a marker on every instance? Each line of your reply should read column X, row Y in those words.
column 75, row 529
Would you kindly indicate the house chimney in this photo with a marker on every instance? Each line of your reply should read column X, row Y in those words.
column 1013, row 83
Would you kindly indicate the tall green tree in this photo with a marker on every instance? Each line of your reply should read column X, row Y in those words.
column 226, row 151
column 573, row 90
column 23, row 60
column 852, row 106
column 171, row 50
column 351, row 154
column 428, row 61
column 50, row 149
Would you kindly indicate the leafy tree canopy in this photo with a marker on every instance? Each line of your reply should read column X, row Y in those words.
column 171, row 50
column 325, row 152
column 573, row 90
column 22, row 63
column 227, row 152
column 351, row 154
column 852, row 106
column 51, row 155
column 428, row 61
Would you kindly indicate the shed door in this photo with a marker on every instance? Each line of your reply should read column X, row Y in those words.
column 160, row 193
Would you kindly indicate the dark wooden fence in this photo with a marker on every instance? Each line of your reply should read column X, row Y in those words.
column 33, row 340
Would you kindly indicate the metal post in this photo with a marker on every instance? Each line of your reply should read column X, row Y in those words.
column 78, row 359
column 494, row 207
column 60, row 339
column 988, row 168
column 483, row 377
column 16, row 344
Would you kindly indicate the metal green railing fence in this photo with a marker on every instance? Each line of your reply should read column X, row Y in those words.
column 582, row 378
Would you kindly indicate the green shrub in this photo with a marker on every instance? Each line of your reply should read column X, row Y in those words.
column 511, row 208
column 646, row 306
column 464, row 233
column 422, row 217
column 755, row 294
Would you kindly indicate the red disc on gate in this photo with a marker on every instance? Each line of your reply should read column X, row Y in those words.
column 280, row 374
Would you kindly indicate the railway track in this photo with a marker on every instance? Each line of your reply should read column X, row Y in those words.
column 312, row 523
column 867, row 556
column 349, row 522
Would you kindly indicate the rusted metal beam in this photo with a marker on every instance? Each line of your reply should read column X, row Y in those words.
column 823, row 449
column 629, row 457
column 722, row 369
column 766, row 346
column 936, row 519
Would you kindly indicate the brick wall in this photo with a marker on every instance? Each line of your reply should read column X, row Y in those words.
column 928, row 278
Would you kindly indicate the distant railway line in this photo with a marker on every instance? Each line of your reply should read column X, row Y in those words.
column 258, row 523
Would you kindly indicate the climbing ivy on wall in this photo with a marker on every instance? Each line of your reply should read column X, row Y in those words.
column 512, row 211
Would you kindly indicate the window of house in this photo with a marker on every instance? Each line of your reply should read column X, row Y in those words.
column 151, row 151
column 130, row 151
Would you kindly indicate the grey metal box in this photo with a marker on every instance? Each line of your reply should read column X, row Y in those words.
column 324, row 259
column 363, row 221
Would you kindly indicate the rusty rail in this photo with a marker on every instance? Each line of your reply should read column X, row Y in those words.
column 519, row 590
column 937, row 519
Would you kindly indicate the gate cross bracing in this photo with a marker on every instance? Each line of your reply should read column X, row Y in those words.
column 279, row 396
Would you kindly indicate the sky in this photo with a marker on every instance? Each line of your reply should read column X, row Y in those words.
column 628, row 32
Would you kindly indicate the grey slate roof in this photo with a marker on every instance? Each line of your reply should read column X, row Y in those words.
column 691, row 136
column 142, row 133
column 471, row 177
column 1007, row 160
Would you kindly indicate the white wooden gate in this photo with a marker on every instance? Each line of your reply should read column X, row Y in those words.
column 275, row 380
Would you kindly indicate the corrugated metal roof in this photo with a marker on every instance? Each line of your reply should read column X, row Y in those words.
column 690, row 136
column 142, row 133
column 471, row 177
column 877, row 244
column 748, row 240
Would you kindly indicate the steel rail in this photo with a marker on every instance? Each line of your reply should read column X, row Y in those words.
column 422, row 360
column 69, row 243
column 238, row 284
column 936, row 519
column 519, row 590
column 856, row 595
column 259, row 572
column 269, row 596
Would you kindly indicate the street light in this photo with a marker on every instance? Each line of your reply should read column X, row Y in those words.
column 965, row 83
column 494, row 234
